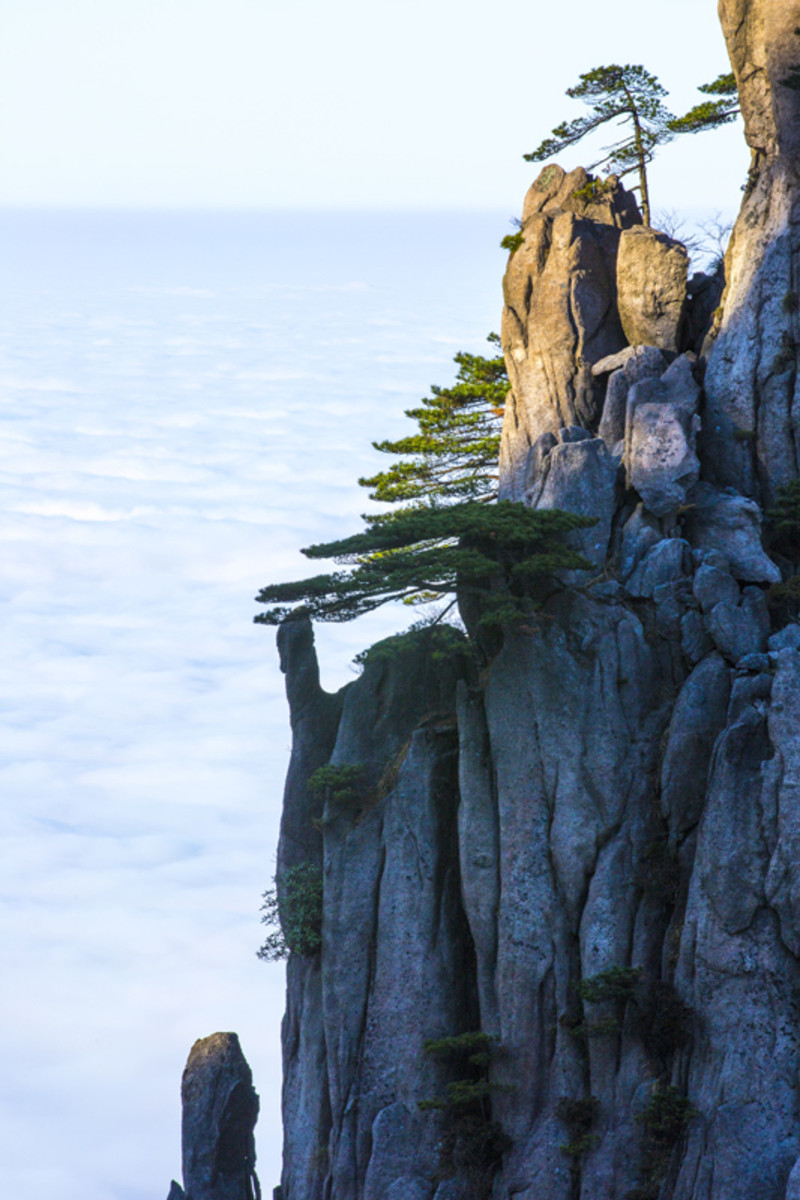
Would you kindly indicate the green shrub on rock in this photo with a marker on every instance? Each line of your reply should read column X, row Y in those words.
column 295, row 915
column 344, row 785
column 473, row 1143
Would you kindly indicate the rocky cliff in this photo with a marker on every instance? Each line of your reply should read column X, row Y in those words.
column 560, row 953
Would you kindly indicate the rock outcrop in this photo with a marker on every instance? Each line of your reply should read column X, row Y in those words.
column 560, row 315
column 220, row 1109
column 560, row 953
column 652, row 270
column 751, row 377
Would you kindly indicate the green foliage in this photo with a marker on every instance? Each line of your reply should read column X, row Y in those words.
column 618, row 983
column 664, row 1021
column 710, row 114
column 461, row 1047
column 579, row 1117
column 344, row 786
column 502, row 556
column 472, row 1144
column 512, row 241
column 295, row 916
column 442, row 643
column 602, row 1027
column 629, row 95
column 453, row 456
column 461, row 1093
column 664, row 1121
column 593, row 191
column 783, row 542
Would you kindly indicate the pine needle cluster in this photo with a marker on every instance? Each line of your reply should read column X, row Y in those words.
column 447, row 535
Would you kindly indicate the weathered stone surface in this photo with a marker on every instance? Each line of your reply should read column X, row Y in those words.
column 579, row 476
column 314, row 716
column 710, row 558
column 789, row 637
column 555, row 190
column 756, row 663
column 651, row 288
column 740, row 629
column 793, row 1183
column 614, row 362
column 729, row 522
column 639, row 534
column 711, row 585
column 560, row 317
column 697, row 720
column 704, row 293
column 640, row 362
column 660, row 428
column 668, row 560
column 220, row 1109
column 751, row 378
column 389, row 1173
column 590, row 679
column 176, row 1192
column 395, row 966
column 735, row 960
column 695, row 642
column 536, row 466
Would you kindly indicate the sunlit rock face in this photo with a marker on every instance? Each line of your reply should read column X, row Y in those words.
column 751, row 378
column 583, row 846
column 560, row 315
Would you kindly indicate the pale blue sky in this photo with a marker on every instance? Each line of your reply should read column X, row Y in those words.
column 313, row 104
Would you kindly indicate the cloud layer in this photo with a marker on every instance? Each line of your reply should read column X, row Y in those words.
column 186, row 401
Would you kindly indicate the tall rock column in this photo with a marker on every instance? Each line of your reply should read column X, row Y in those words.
column 752, row 439
column 560, row 314
column 220, row 1109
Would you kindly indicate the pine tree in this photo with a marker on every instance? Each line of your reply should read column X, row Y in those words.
column 454, row 454
column 628, row 94
column 444, row 537
column 497, row 556
column 710, row 114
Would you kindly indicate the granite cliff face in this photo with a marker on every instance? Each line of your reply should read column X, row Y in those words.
column 580, row 861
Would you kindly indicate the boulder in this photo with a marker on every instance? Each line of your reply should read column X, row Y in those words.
column 639, row 534
column 638, row 362
column 555, row 190
column 697, row 719
column 220, row 1109
column 711, row 586
column 660, row 429
column 754, row 663
column 793, row 1183
column 739, row 630
column 613, row 362
column 560, row 317
column 668, row 561
column 695, row 641
column 724, row 520
column 704, row 293
column 579, row 476
column 786, row 638
column 389, row 1174
column 651, row 286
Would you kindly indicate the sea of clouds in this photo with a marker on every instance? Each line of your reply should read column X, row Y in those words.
column 187, row 399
